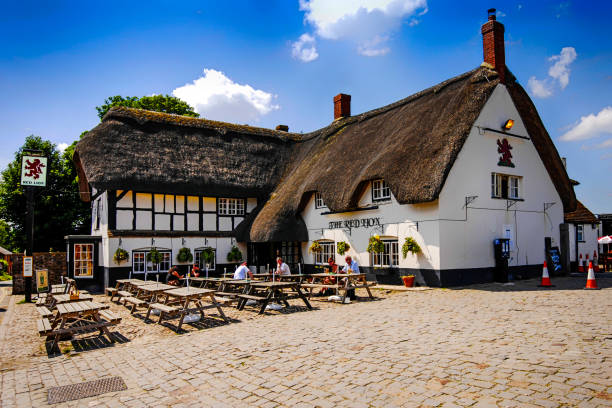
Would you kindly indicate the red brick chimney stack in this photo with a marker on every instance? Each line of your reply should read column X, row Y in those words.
column 342, row 106
column 493, row 45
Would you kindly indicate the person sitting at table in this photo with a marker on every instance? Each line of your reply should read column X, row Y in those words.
column 242, row 272
column 354, row 267
column 281, row 267
column 333, row 268
column 195, row 271
column 173, row 277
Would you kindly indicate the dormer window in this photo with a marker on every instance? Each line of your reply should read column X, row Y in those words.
column 231, row 206
column 380, row 190
column 319, row 201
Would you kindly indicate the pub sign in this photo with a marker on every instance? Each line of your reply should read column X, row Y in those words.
column 34, row 171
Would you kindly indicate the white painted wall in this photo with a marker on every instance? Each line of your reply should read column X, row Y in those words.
column 399, row 221
column 588, row 246
column 470, row 244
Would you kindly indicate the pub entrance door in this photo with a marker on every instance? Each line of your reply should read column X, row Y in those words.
column 263, row 255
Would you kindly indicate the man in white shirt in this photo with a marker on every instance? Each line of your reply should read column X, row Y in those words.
column 281, row 267
column 242, row 272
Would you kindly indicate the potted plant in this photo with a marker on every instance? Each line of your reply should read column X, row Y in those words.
column 234, row 255
column 154, row 256
column 408, row 280
column 209, row 256
column 184, row 255
column 315, row 247
column 342, row 247
column 121, row 255
column 375, row 245
column 410, row 245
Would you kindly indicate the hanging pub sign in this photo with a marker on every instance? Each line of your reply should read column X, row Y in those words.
column 33, row 171
column 503, row 148
column 27, row 266
column 42, row 280
column 356, row 223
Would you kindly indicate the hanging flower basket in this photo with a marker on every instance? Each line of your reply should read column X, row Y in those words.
column 375, row 245
column 121, row 255
column 315, row 247
column 410, row 245
column 234, row 255
column 154, row 256
column 184, row 255
column 209, row 255
column 342, row 247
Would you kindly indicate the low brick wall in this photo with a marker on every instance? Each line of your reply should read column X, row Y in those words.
column 54, row 262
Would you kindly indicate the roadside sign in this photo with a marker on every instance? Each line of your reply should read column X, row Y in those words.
column 27, row 266
column 42, row 280
column 33, row 171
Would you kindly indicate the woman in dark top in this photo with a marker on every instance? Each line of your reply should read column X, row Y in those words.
column 173, row 277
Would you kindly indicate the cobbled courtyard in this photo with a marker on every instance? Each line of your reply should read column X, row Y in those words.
column 480, row 346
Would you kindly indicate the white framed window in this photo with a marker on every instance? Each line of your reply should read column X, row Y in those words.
column 319, row 201
column 198, row 259
column 380, row 190
column 140, row 264
column 505, row 186
column 388, row 258
column 83, row 260
column 328, row 249
column 580, row 232
column 231, row 206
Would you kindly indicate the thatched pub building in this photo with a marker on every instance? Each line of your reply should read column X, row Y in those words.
column 452, row 167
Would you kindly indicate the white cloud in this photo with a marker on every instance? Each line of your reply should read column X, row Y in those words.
column 558, row 73
column 591, row 126
column 560, row 70
column 62, row 146
column 362, row 21
column 215, row 96
column 606, row 144
column 374, row 47
column 539, row 88
column 304, row 48
column 500, row 13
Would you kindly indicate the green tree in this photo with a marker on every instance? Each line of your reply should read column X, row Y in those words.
column 157, row 103
column 58, row 209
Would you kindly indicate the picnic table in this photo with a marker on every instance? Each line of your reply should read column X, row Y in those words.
column 176, row 302
column 343, row 283
column 77, row 317
column 122, row 288
column 265, row 292
column 145, row 294
column 65, row 298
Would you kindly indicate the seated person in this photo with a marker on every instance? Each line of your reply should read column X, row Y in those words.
column 174, row 277
column 354, row 267
column 281, row 267
column 195, row 271
column 242, row 272
column 333, row 268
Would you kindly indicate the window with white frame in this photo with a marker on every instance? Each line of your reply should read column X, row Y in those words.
column 319, row 201
column 140, row 264
column 327, row 251
column 83, row 260
column 380, row 190
column 231, row 206
column 580, row 232
column 200, row 262
column 388, row 258
column 504, row 186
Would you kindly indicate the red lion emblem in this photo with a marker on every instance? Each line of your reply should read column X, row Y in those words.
column 503, row 147
column 34, row 169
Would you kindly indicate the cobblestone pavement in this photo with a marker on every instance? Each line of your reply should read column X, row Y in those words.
column 486, row 345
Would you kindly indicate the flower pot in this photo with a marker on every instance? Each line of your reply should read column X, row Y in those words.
column 408, row 281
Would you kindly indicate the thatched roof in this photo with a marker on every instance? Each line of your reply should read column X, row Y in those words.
column 412, row 144
column 581, row 215
column 151, row 151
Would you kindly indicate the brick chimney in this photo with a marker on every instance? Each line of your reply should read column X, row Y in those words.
column 342, row 106
column 493, row 45
column 282, row 128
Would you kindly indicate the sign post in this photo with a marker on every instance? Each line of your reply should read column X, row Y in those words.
column 33, row 176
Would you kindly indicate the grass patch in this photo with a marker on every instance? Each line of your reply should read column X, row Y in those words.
column 21, row 302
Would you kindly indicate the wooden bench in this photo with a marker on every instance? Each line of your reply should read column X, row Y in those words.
column 319, row 285
column 110, row 316
column 134, row 301
column 225, row 300
column 227, row 294
column 122, row 294
column 44, row 326
column 111, row 292
column 44, row 311
column 169, row 310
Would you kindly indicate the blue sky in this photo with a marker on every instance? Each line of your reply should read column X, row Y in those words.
column 281, row 62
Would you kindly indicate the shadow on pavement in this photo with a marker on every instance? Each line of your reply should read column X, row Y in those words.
column 560, row 283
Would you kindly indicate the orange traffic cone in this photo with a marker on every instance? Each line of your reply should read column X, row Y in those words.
column 545, row 278
column 596, row 261
column 580, row 265
column 591, row 283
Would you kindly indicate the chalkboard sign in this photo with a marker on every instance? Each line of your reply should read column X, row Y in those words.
column 553, row 258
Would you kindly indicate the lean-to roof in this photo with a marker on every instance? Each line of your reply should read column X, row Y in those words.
column 581, row 215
